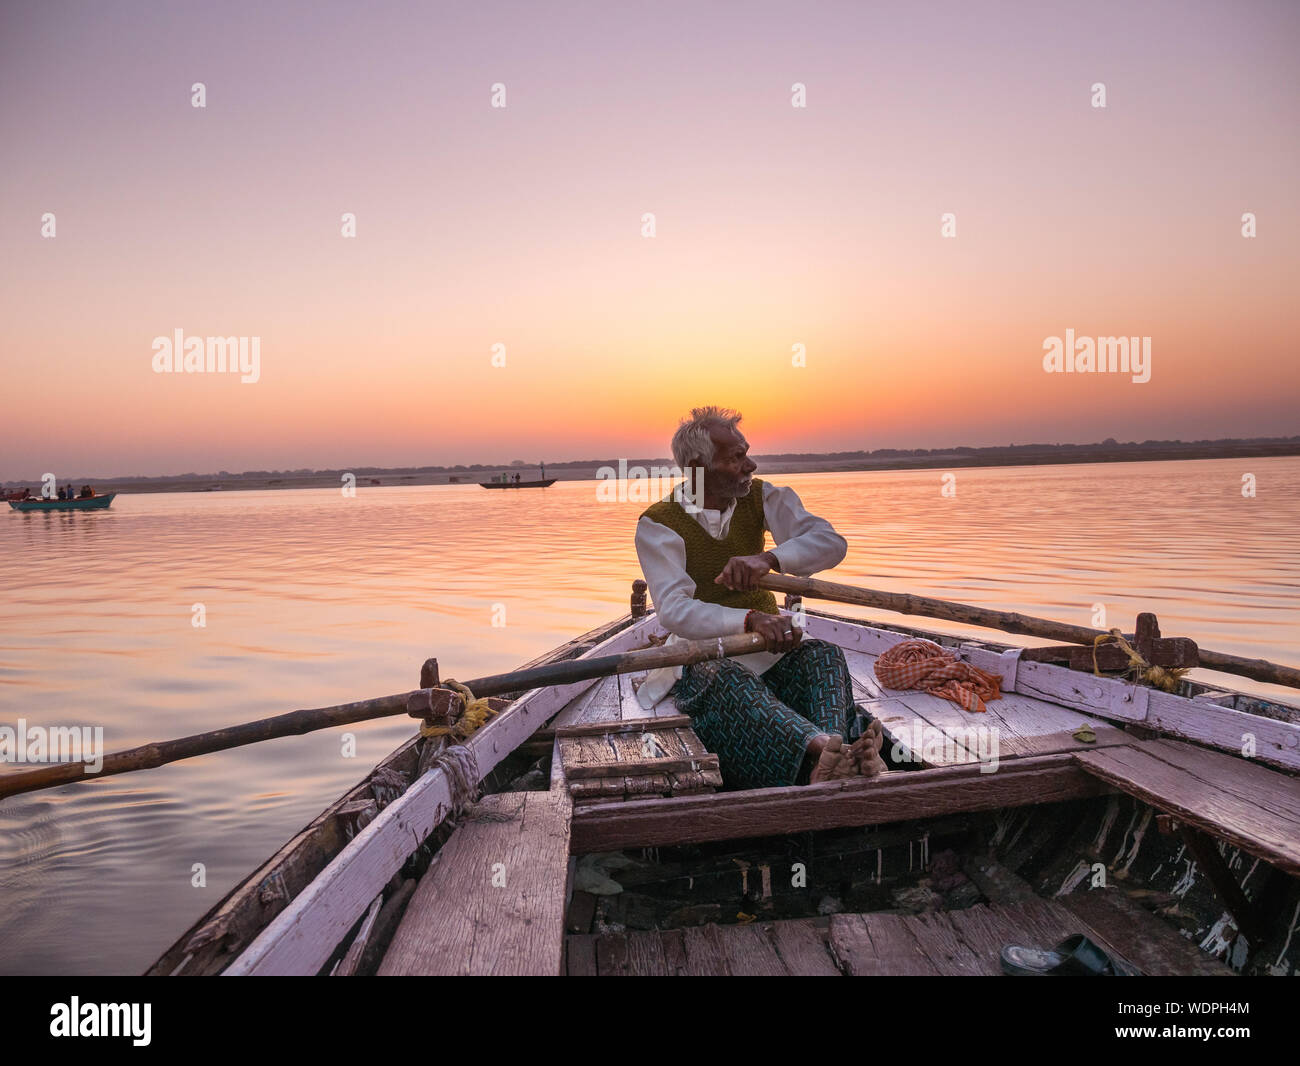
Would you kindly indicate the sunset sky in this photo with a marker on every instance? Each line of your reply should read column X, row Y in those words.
column 522, row 225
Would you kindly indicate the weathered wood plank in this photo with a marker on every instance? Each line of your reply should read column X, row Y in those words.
column 580, row 956
column 581, row 751
column 750, row 953
column 943, row 946
column 381, row 935
column 630, row 707
column 958, row 943
column 667, row 708
column 673, row 942
column 1276, row 742
column 612, row 957
column 645, row 955
column 601, row 728
column 1273, row 792
column 584, row 771
column 1024, row 725
column 848, row 636
column 1040, row 922
column 1252, row 808
column 600, row 704
column 492, row 903
column 891, row 797
column 615, row 749
column 896, row 720
column 985, row 933
column 616, row 730
column 1146, row 941
column 1045, row 923
column 804, row 947
column 944, row 737
column 347, row 966
column 878, row 945
column 693, row 781
column 302, row 937
column 862, row 668
column 582, row 909
column 705, row 955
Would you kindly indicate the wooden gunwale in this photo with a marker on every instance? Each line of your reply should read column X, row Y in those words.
column 206, row 947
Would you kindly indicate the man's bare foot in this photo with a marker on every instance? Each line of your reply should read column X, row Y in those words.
column 834, row 763
column 865, row 751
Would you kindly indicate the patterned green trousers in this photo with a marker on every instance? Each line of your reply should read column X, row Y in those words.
column 759, row 726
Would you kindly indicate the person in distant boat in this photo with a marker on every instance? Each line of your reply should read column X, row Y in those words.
column 776, row 717
column 62, row 494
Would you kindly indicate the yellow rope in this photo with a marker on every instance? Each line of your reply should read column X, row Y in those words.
column 474, row 714
column 1141, row 670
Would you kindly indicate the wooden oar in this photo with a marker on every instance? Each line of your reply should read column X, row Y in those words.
column 433, row 700
column 1007, row 621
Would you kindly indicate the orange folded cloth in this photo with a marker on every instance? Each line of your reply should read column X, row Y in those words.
column 923, row 664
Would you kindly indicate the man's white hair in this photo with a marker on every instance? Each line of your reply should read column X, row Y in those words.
column 692, row 443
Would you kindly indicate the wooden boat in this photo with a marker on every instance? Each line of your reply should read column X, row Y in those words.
column 85, row 503
column 604, row 844
column 540, row 484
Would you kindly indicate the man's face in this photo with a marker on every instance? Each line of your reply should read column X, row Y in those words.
column 732, row 470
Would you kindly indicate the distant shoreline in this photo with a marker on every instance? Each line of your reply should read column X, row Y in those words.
column 587, row 470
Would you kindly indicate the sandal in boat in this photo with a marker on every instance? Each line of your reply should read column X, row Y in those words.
column 1075, row 956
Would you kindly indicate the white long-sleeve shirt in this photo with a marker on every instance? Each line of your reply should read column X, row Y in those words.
column 805, row 544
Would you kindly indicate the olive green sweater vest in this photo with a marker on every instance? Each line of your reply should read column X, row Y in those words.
column 706, row 555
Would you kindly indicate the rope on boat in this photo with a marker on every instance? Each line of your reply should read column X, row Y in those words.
column 474, row 714
column 1141, row 670
column 456, row 759
column 458, row 763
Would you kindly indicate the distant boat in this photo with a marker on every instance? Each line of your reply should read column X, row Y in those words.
column 518, row 484
column 85, row 503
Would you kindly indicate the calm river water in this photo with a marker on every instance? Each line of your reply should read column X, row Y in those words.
column 310, row 598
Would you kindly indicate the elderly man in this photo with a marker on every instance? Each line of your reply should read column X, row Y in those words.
column 776, row 717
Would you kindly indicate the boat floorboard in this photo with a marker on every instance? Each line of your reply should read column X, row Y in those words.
column 493, row 901
column 1154, row 947
column 959, row 943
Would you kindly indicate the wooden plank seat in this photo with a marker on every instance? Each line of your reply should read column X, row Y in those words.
column 611, row 748
column 949, row 735
column 493, row 901
column 1230, row 798
column 955, row 943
